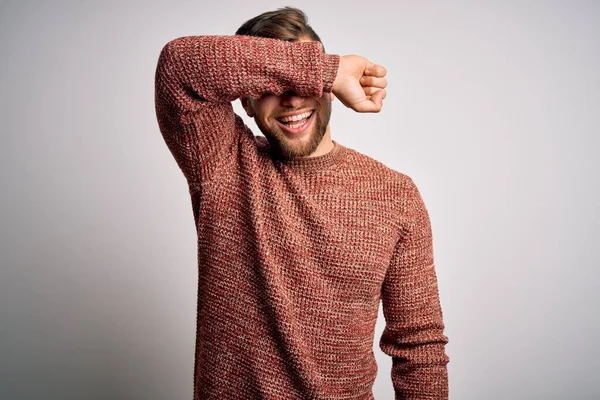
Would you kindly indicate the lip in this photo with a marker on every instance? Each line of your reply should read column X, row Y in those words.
column 296, row 113
column 300, row 129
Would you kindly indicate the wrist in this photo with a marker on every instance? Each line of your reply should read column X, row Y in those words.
column 331, row 64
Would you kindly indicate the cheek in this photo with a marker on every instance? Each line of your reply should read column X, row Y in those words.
column 266, row 103
column 263, row 115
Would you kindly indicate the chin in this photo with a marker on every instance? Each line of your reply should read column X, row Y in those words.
column 293, row 148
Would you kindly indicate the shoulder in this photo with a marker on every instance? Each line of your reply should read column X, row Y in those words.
column 397, row 188
column 377, row 170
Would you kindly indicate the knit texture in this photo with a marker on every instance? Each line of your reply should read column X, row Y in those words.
column 294, row 256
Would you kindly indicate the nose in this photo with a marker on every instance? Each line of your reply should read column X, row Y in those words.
column 291, row 99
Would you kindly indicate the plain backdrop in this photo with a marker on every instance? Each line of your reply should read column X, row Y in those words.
column 493, row 109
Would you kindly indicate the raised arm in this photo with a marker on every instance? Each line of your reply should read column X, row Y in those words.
column 413, row 335
column 197, row 78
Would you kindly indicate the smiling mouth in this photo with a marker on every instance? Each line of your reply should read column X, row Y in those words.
column 295, row 126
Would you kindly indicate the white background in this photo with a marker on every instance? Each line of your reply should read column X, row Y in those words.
column 492, row 108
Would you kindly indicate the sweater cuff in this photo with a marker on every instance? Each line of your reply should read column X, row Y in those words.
column 330, row 68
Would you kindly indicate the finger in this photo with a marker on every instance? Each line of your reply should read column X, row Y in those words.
column 372, row 106
column 373, row 81
column 377, row 99
column 371, row 90
column 373, row 103
column 375, row 70
column 379, row 96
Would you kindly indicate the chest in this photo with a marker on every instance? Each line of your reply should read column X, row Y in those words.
column 341, row 235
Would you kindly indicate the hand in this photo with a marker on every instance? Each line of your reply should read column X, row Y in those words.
column 359, row 84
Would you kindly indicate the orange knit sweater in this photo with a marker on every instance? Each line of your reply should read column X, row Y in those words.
column 294, row 256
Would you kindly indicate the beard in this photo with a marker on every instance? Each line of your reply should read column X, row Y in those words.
column 283, row 147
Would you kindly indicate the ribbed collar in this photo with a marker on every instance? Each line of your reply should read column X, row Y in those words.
column 324, row 161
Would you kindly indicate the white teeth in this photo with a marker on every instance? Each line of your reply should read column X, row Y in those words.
column 296, row 117
column 294, row 126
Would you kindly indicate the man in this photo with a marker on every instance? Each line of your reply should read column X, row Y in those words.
column 299, row 237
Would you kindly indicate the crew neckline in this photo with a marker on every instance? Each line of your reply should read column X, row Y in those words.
column 333, row 157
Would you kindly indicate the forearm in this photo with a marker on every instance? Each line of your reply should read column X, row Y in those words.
column 224, row 68
column 419, row 369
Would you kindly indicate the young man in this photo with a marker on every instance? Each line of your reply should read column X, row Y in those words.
column 299, row 237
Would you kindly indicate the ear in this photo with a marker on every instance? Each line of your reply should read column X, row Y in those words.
column 247, row 106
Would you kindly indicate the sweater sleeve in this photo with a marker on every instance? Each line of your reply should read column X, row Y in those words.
column 414, row 332
column 197, row 78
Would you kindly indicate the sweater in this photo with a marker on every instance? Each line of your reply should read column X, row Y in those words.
column 295, row 255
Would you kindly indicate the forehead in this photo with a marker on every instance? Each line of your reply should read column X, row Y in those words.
column 305, row 39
